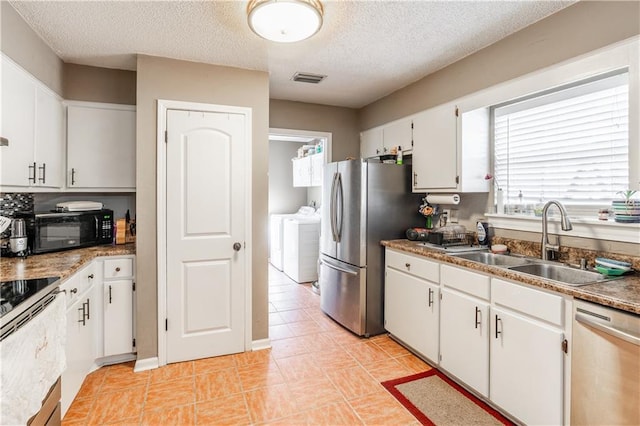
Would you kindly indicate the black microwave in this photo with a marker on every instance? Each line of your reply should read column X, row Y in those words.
column 47, row 232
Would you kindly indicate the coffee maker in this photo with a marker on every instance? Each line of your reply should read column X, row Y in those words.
column 14, row 241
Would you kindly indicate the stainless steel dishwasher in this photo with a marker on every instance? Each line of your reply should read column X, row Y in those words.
column 605, row 366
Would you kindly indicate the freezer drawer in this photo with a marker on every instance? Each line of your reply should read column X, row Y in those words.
column 343, row 294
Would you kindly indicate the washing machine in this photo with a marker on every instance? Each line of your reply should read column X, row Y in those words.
column 276, row 233
column 301, row 248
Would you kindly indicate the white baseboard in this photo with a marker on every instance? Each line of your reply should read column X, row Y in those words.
column 146, row 364
column 257, row 345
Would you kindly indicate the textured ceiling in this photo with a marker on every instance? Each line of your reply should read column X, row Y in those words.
column 368, row 49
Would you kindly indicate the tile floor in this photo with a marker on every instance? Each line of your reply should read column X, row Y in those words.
column 316, row 373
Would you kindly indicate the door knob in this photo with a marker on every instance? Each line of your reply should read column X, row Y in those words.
column 237, row 246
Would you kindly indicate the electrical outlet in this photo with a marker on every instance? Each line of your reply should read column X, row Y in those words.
column 453, row 216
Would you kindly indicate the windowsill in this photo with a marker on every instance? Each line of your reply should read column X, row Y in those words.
column 582, row 227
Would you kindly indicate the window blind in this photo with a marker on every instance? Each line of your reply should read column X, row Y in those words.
column 571, row 145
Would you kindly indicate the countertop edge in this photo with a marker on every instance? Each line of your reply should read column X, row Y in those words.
column 62, row 263
column 596, row 292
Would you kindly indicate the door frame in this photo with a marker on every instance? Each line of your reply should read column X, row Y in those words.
column 161, row 238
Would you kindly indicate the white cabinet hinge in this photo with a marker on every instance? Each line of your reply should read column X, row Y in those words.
column 166, row 136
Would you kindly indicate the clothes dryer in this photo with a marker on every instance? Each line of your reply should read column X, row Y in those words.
column 276, row 233
column 301, row 248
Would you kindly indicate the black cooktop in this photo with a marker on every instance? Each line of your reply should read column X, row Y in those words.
column 14, row 293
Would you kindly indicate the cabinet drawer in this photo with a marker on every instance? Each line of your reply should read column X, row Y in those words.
column 465, row 281
column 118, row 268
column 413, row 265
column 539, row 304
column 77, row 284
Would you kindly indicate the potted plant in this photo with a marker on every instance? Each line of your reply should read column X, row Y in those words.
column 628, row 209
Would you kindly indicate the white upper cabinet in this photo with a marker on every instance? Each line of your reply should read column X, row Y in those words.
column 33, row 123
column 49, row 134
column 451, row 150
column 307, row 171
column 101, row 146
column 399, row 133
column 435, row 149
column 371, row 143
column 380, row 140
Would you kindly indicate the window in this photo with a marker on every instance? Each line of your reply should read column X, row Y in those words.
column 570, row 144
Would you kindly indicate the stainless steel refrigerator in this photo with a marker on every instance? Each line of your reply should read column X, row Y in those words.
column 362, row 203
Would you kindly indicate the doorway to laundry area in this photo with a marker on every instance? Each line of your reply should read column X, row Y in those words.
column 296, row 160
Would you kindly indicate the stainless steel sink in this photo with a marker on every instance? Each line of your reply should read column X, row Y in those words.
column 494, row 259
column 560, row 273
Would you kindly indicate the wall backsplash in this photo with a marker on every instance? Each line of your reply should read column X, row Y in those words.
column 11, row 202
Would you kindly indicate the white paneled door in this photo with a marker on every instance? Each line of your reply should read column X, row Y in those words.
column 206, row 189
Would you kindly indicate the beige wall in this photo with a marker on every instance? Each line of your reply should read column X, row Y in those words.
column 159, row 78
column 26, row 48
column 94, row 84
column 578, row 29
column 341, row 122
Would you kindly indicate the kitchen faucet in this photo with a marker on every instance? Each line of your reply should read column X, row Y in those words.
column 550, row 251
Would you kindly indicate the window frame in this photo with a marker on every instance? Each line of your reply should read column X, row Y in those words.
column 625, row 53
column 568, row 91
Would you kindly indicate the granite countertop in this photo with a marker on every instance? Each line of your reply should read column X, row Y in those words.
column 622, row 293
column 62, row 263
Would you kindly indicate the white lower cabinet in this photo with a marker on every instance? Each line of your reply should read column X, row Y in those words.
column 464, row 343
column 412, row 302
column 118, row 317
column 97, row 326
column 411, row 312
column 527, row 353
column 82, row 312
column 504, row 340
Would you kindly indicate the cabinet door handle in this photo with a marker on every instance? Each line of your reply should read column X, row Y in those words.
column 90, row 276
column 430, row 297
column 118, row 269
column 88, row 314
column 478, row 321
column 109, row 294
column 73, row 290
column 415, row 178
column 73, row 176
column 497, row 332
column 32, row 167
column 43, row 177
column 407, row 265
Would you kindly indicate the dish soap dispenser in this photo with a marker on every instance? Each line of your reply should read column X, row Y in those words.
column 482, row 228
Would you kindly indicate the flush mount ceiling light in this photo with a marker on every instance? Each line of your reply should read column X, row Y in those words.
column 285, row 21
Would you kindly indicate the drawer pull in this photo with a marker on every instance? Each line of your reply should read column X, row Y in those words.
column 110, row 295
column 430, row 297
column 73, row 290
column 478, row 322
column 90, row 276
column 118, row 269
column 407, row 265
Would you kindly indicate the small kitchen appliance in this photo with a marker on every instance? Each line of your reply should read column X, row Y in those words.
column 78, row 206
column 18, row 240
column 49, row 232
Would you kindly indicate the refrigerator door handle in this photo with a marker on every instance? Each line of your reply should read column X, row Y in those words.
column 340, row 209
column 332, row 212
column 338, row 268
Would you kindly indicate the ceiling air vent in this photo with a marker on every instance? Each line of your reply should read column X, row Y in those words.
column 304, row 77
